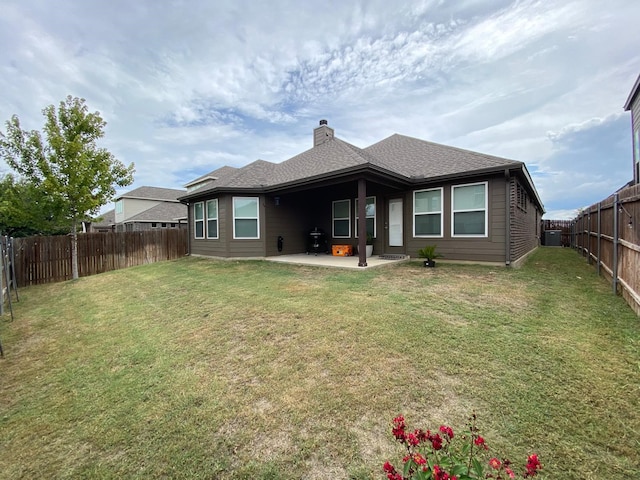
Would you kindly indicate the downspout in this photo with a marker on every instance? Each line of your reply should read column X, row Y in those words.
column 189, row 228
column 507, row 246
column 362, row 222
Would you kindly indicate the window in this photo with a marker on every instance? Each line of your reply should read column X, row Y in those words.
column 164, row 225
column 119, row 208
column 212, row 218
column 427, row 213
column 198, row 219
column 370, row 216
column 521, row 197
column 469, row 210
column 342, row 219
column 245, row 218
column 154, row 225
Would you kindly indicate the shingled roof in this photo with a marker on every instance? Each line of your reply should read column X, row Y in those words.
column 163, row 212
column 408, row 160
column 154, row 193
column 415, row 158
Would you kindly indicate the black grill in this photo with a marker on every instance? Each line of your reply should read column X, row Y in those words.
column 317, row 241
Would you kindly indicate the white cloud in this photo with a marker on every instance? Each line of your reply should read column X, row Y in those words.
column 189, row 86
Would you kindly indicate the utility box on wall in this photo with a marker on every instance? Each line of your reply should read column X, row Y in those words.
column 553, row 238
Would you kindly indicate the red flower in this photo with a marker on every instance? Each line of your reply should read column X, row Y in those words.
column 495, row 463
column 398, row 428
column 413, row 439
column 436, row 441
column 509, row 472
column 440, row 474
column 388, row 468
column 533, row 465
column 448, row 431
column 480, row 442
column 419, row 459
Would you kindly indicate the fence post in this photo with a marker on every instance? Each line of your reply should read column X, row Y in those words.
column 599, row 235
column 589, row 237
column 616, row 238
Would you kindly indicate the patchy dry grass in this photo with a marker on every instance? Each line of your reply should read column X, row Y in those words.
column 206, row 369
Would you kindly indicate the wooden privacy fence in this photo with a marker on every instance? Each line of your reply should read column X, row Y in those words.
column 48, row 259
column 608, row 234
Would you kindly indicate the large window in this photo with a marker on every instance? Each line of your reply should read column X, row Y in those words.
column 370, row 216
column 427, row 213
column 469, row 210
column 246, row 222
column 342, row 219
column 212, row 218
column 119, row 208
column 198, row 219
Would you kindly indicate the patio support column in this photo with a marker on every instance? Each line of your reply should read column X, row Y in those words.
column 362, row 222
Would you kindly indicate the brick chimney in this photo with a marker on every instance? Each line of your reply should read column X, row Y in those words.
column 322, row 133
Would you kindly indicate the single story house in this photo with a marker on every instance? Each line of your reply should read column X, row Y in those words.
column 411, row 193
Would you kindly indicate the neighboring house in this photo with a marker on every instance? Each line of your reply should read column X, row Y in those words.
column 633, row 104
column 146, row 208
column 411, row 192
column 105, row 223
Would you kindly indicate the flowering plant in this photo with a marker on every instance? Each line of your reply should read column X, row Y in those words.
column 434, row 456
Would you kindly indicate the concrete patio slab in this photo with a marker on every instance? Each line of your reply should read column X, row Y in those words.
column 324, row 260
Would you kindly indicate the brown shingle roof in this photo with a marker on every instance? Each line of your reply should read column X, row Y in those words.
column 405, row 157
column 415, row 158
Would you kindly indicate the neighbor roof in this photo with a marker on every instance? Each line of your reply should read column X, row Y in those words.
column 163, row 212
column 154, row 193
column 108, row 218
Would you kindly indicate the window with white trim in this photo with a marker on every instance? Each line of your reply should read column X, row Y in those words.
column 370, row 216
column 469, row 210
column 246, row 220
column 341, row 215
column 119, row 206
column 198, row 220
column 212, row 218
column 427, row 213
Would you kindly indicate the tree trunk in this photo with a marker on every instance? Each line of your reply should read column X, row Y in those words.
column 74, row 250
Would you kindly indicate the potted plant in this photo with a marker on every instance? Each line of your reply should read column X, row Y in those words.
column 369, row 245
column 429, row 253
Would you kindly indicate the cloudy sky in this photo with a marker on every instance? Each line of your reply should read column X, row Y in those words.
column 187, row 86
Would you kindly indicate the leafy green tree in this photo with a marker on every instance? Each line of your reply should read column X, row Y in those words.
column 67, row 164
column 25, row 209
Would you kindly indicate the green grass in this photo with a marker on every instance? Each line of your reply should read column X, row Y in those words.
column 231, row 370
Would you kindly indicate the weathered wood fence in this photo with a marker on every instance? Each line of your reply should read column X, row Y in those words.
column 41, row 260
column 608, row 234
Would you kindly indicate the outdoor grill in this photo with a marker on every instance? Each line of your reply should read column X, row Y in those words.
column 317, row 241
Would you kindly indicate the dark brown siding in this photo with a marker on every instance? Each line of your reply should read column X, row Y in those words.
column 525, row 221
column 297, row 213
column 209, row 246
column 635, row 125
column 483, row 249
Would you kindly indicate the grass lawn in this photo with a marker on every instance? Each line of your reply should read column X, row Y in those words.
column 218, row 369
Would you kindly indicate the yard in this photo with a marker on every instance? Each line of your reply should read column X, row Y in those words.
column 219, row 369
